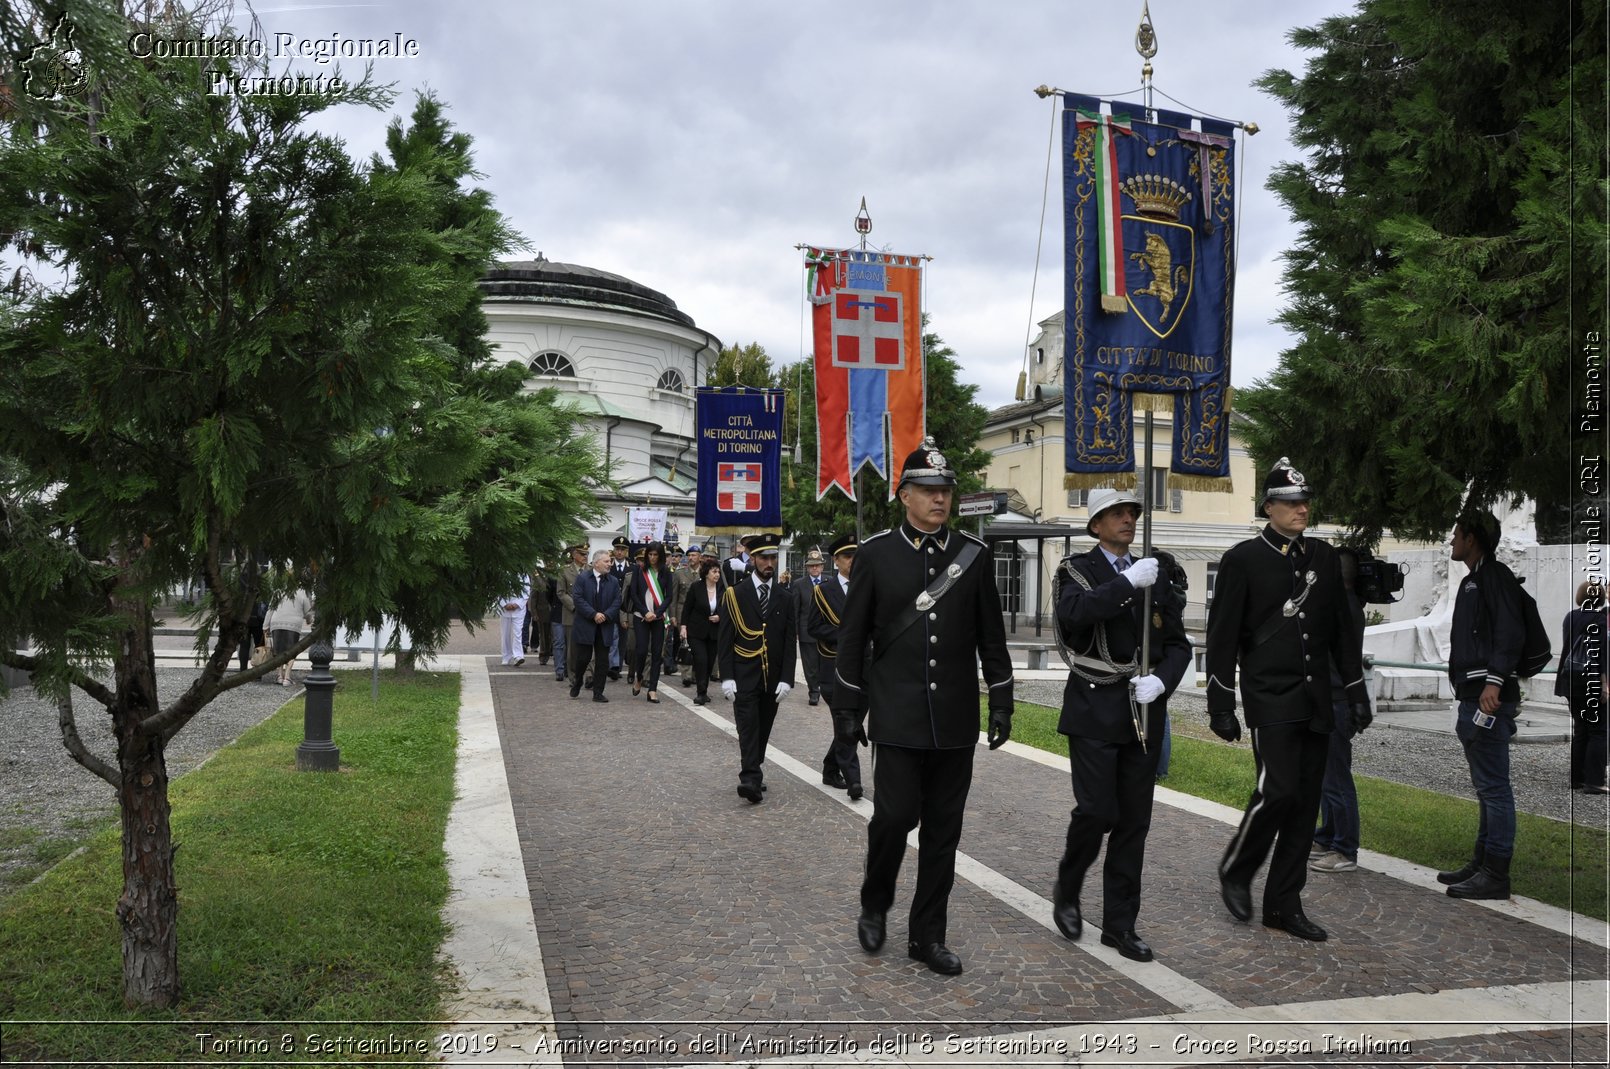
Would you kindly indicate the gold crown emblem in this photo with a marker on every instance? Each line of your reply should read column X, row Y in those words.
column 1155, row 195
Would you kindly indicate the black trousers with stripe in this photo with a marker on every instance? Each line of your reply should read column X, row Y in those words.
column 1290, row 760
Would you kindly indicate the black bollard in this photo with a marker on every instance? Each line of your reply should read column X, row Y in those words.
column 318, row 753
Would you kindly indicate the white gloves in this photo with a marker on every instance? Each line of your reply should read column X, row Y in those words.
column 729, row 689
column 782, row 691
column 1147, row 688
column 1143, row 573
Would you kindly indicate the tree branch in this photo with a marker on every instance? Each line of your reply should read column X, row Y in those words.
column 75, row 745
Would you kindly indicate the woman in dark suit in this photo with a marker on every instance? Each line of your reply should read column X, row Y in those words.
column 701, row 623
column 647, row 595
column 1580, row 680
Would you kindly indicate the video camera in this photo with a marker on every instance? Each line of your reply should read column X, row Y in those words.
column 1377, row 580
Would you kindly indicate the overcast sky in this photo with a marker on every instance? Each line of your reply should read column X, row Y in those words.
column 691, row 145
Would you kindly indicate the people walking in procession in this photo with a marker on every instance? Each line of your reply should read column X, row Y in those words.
column 1279, row 612
column 757, row 645
column 924, row 597
column 804, row 594
column 1112, row 712
column 701, row 625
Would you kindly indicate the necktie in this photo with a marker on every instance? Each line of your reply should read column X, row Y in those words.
column 765, row 596
column 1121, row 564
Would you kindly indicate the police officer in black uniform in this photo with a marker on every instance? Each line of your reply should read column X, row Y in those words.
column 620, row 566
column 925, row 597
column 841, row 765
column 757, row 647
column 1112, row 713
column 1280, row 610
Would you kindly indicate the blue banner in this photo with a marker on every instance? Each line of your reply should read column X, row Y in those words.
column 740, row 447
column 1149, row 218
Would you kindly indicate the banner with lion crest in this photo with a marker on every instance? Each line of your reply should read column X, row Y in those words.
column 1150, row 238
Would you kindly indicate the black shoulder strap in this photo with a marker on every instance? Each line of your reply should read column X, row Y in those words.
column 936, row 590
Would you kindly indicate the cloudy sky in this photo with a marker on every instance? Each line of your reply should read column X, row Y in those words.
column 691, row 144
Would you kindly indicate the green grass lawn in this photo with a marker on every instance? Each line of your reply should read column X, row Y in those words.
column 1555, row 862
column 311, row 897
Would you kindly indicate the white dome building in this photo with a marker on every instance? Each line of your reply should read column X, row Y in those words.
column 624, row 355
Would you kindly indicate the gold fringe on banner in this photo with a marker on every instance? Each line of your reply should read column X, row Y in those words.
column 1086, row 480
column 705, row 532
column 1113, row 303
column 1154, row 402
column 1212, row 484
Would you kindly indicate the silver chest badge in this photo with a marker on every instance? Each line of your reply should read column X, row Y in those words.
column 924, row 601
column 954, row 571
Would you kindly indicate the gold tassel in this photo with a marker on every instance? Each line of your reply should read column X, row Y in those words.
column 1154, row 402
column 1111, row 302
column 1211, row 484
column 1083, row 480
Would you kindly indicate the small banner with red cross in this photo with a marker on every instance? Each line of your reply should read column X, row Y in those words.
column 867, row 333
column 740, row 438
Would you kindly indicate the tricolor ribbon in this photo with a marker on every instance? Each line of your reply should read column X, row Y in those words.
column 1109, row 210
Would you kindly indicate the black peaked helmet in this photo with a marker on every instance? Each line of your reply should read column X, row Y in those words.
column 926, row 466
column 847, row 543
column 764, row 544
column 1283, row 483
column 622, row 542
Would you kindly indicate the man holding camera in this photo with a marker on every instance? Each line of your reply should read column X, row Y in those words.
column 1488, row 632
column 1280, row 611
column 1112, row 712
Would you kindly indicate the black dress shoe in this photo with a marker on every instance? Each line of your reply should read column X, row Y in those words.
column 869, row 930
column 816, row 699
column 1127, row 943
column 1066, row 914
column 750, row 794
column 1295, row 923
column 1237, row 899
column 834, row 779
column 575, row 692
column 600, row 698
column 937, row 956
column 855, row 791
column 614, row 673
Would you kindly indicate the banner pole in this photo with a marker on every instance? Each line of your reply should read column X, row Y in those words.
column 1146, row 45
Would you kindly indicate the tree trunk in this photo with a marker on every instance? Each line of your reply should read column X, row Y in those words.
column 149, row 908
column 405, row 663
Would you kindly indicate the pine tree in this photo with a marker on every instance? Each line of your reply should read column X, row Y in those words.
column 256, row 351
column 1452, row 225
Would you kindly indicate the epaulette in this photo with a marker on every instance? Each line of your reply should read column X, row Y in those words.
column 973, row 538
column 880, row 534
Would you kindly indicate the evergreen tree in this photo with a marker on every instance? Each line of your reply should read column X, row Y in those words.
column 1451, row 206
column 257, row 351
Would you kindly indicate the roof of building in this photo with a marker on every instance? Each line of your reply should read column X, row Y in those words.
column 559, row 283
column 1024, row 409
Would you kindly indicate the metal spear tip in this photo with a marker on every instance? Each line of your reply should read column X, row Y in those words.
column 1043, row 91
column 1251, row 128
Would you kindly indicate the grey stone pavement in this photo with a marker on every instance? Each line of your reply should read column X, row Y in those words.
column 616, row 903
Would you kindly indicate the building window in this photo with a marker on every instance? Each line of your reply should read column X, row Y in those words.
column 1077, row 498
column 1017, row 436
column 670, row 381
column 1159, row 493
column 553, row 363
column 1212, row 577
column 1009, row 579
column 1039, row 356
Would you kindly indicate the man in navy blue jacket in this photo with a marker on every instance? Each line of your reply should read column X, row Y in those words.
column 597, row 594
column 1488, row 633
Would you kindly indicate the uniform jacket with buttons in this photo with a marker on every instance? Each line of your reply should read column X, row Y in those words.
column 1102, row 711
column 922, row 683
column 740, row 647
column 567, row 586
column 1287, row 677
column 825, row 619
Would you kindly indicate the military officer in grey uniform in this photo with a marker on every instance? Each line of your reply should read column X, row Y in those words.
column 924, row 595
column 1112, row 712
column 1279, row 610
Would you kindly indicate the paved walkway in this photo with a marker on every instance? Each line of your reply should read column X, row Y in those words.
column 616, row 903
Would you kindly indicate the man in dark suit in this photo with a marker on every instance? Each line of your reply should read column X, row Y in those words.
column 597, row 595
column 841, row 765
column 1112, row 712
column 620, row 566
column 1280, row 611
column 804, row 594
column 924, row 597
column 757, row 657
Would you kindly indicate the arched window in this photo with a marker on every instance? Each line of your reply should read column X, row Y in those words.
column 671, row 380
column 553, row 363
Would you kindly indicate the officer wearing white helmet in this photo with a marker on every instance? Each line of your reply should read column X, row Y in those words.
column 1113, row 709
